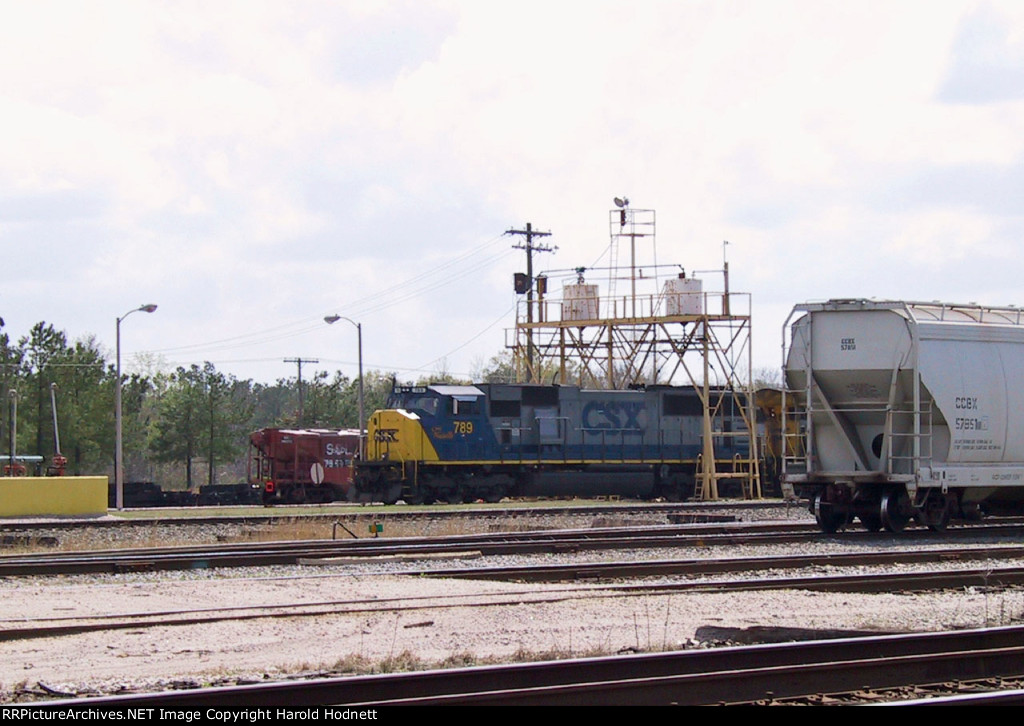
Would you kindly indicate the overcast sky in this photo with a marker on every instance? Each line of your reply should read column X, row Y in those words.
column 253, row 166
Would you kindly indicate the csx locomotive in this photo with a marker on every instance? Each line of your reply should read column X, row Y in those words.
column 487, row 441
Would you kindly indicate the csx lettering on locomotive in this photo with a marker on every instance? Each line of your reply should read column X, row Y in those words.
column 462, row 443
column 613, row 415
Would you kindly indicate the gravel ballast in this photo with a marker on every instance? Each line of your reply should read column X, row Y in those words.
column 370, row 621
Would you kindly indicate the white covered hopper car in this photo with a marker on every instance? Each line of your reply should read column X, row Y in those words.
column 904, row 410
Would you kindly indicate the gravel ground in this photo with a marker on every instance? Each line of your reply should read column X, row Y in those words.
column 369, row 622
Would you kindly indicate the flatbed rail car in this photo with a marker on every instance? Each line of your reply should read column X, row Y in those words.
column 488, row 441
column 905, row 410
column 146, row 494
column 302, row 465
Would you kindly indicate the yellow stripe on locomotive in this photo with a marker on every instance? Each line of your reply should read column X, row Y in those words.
column 487, row 441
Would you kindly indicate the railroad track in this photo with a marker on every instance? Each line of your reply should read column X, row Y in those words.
column 556, row 542
column 970, row 575
column 273, row 553
column 593, row 580
column 685, row 512
column 520, row 543
column 603, row 581
column 866, row 669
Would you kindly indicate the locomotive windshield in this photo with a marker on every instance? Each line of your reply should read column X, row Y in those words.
column 418, row 401
column 435, row 400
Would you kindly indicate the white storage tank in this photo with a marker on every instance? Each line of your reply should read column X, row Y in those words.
column 903, row 397
column 683, row 296
column 580, row 301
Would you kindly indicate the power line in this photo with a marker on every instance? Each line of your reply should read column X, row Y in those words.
column 456, row 350
column 379, row 300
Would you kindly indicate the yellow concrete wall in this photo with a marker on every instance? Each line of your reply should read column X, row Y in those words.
column 38, row 496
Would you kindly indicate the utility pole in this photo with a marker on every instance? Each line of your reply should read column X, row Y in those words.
column 300, row 361
column 529, row 233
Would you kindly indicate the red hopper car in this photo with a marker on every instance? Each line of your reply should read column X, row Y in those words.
column 302, row 465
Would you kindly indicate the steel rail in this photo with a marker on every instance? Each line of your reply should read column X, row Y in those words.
column 684, row 511
column 1011, row 697
column 862, row 582
column 724, row 675
column 328, row 551
column 271, row 553
column 695, row 567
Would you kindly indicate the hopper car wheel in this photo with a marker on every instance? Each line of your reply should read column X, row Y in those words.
column 939, row 521
column 935, row 517
column 971, row 511
column 871, row 522
column 829, row 520
column 893, row 510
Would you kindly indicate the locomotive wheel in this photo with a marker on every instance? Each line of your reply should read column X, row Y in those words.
column 829, row 520
column 391, row 492
column 494, row 494
column 893, row 510
column 671, row 491
column 417, row 497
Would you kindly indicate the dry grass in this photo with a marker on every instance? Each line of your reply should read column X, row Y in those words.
column 406, row 662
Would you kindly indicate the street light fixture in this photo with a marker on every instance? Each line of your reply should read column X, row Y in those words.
column 118, row 453
column 331, row 320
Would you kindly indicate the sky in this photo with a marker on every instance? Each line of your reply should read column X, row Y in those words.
column 251, row 167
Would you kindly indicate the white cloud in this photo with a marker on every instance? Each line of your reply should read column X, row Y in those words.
column 255, row 165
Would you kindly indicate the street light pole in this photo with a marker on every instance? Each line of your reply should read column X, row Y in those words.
column 118, row 452
column 330, row 320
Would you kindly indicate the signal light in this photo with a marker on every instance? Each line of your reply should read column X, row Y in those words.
column 270, row 487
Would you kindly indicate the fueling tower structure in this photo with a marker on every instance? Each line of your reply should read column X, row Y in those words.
column 654, row 325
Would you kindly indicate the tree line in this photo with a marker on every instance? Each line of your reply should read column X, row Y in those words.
column 182, row 428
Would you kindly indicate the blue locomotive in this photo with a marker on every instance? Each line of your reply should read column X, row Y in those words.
column 487, row 441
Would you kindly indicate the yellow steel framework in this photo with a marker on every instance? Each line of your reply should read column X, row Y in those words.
column 678, row 334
